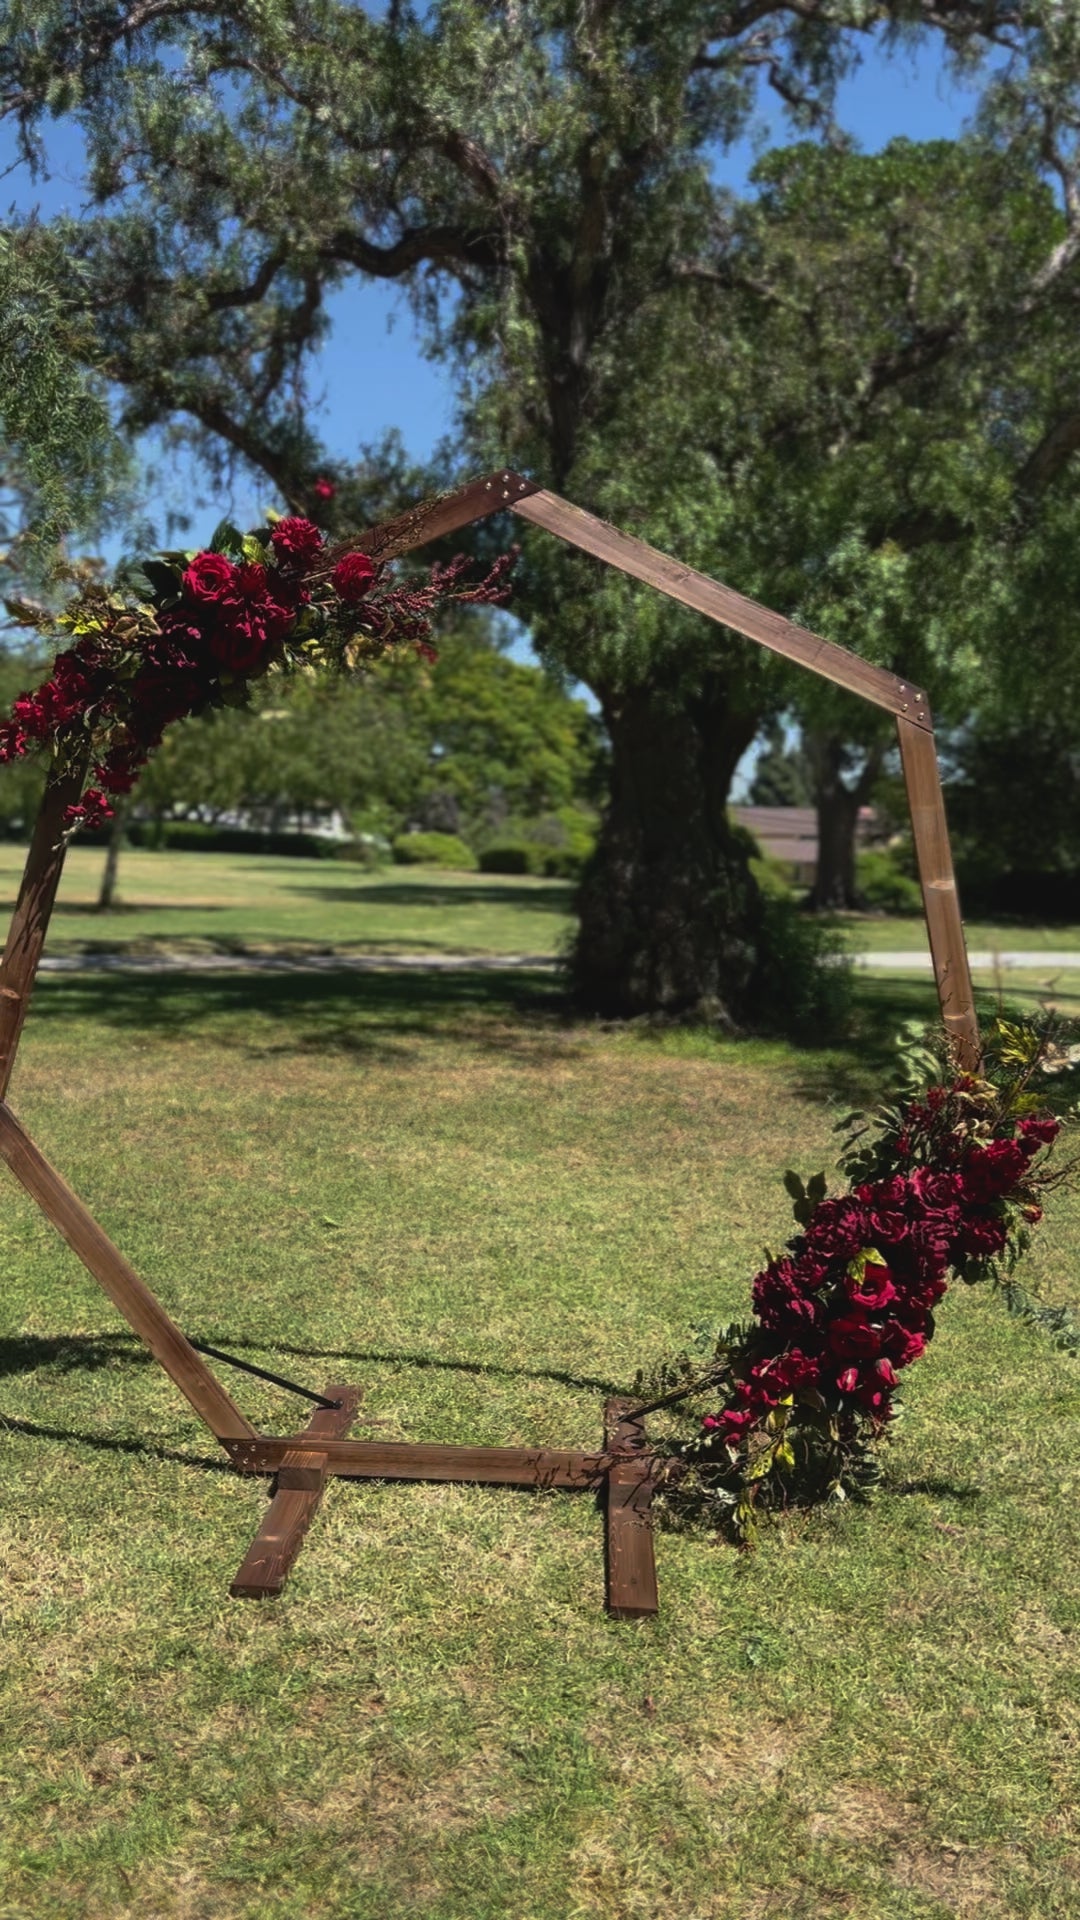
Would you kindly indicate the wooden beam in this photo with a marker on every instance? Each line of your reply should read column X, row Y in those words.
column 433, row 519
column 33, row 909
column 948, row 948
column 405, row 1460
column 140, row 1308
column 300, row 1485
column 717, row 602
column 630, row 1561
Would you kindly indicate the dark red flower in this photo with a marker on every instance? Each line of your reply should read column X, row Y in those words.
column 838, row 1228
column 324, row 489
column 983, row 1237
column 297, row 542
column 851, row 1337
column 902, row 1345
column 990, row 1171
column 209, row 578
column 352, row 577
column 874, row 1291
column 1039, row 1130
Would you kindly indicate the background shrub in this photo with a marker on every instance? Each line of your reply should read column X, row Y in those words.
column 884, row 884
column 434, row 850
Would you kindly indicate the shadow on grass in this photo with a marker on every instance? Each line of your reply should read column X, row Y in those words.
column 111, row 1443
column 69, row 1353
column 936, row 1489
column 351, row 1013
column 551, row 898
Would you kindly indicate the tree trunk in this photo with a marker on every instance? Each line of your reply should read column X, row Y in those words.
column 107, row 898
column 669, row 911
column 836, row 888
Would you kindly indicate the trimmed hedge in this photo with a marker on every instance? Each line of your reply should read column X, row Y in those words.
column 434, row 850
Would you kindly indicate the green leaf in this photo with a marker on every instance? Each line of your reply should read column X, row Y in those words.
column 227, row 539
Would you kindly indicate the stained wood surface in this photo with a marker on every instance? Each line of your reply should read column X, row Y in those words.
column 630, row 1559
column 722, row 603
column 300, row 1484
column 404, row 1460
column 139, row 1306
column 941, row 903
column 33, row 910
column 433, row 519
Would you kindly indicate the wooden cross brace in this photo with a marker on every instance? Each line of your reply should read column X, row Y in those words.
column 623, row 1472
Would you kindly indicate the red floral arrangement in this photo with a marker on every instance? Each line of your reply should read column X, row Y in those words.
column 203, row 626
column 949, row 1182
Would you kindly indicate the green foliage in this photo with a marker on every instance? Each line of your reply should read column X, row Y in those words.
column 62, row 463
column 511, row 856
column 434, row 850
column 884, row 884
column 803, row 983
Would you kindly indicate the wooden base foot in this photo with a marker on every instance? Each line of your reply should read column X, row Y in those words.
column 631, row 1563
column 301, row 1478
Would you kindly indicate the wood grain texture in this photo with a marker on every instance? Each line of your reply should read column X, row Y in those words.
column 404, row 1460
column 140, row 1308
column 941, row 904
column 630, row 1559
column 433, row 519
column 723, row 604
column 300, row 1484
column 33, row 910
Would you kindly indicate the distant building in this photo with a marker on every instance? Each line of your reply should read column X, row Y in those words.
column 790, row 835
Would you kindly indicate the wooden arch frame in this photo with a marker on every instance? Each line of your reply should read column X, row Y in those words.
column 300, row 1463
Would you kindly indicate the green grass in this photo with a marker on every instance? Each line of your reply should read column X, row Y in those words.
column 223, row 902
column 866, row 933
column 486, row 1215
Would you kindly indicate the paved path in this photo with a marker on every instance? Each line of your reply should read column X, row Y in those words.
column 1047, row 960
column 295, row 962
column 889, row 959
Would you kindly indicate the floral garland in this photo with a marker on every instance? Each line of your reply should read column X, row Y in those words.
column 202, row 628
column 950, row 1181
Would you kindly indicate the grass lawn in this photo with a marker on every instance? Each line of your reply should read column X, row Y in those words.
column 221, row 902
column 868, row 933
column 486, row 1215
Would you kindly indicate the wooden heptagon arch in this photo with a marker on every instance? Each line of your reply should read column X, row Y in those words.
column 621, row 1472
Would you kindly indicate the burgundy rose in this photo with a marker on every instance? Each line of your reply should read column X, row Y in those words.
column 883, row 1368
column 903, row 1346
column 1039, row 1130
column 874, row 1291
column 990, row 1171
column 848, row 1380
column 793, row 1370
column 984, row 1237
column 239, row 642
column 886, row 1229
column 888, row 1195
column 838, row 1228
column 936, row 1192
column 352, row 577
column 209, row 578
column 297, row 543
column 779, row 1299
column 853, row 1338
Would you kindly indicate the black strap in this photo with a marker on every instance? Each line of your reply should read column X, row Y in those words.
column 275, row 1379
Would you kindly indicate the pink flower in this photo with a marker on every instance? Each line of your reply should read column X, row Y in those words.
column 324, row 489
